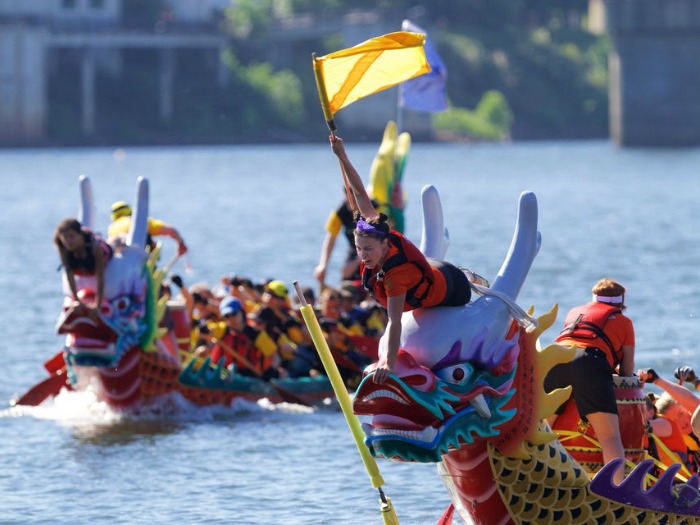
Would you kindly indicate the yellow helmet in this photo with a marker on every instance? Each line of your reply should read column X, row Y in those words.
column 277, row 288
column 120, row 209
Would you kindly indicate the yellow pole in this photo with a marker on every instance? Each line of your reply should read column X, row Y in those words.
column 323, row 95
column 341, row 393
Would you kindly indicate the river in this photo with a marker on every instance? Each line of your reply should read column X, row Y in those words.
column 259, row 211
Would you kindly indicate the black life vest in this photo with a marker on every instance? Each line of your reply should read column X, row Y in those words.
column 406, row 252
column 587, row 323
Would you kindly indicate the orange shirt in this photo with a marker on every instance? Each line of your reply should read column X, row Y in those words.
column 619, row 330
column 403, row 277
column 399, row 280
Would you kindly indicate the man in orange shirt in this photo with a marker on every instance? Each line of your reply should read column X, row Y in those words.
column 605, row 339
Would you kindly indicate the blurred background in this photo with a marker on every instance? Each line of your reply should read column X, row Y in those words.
column 118, row 72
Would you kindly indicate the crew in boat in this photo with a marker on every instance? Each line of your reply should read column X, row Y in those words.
column 252, row 351
column 679, row 405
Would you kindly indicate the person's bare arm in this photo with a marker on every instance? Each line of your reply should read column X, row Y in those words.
column 171, row 232
column 364, row 203
column 681, row 394
column 326, row 251
column 70, row 276
column 99, row 276
column 627, row 364
column 661, row 427
column 387, row 362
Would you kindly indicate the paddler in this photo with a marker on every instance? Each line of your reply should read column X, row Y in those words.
column 121, row 221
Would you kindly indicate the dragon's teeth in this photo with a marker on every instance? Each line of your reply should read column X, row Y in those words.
column 479, row 404
column 427, row 434
column 385, row 393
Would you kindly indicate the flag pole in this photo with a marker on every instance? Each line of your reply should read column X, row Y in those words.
column 330, row 122
column 323, row 95
column 399, row 111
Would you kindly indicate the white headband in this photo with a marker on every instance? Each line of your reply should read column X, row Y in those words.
column 617, row 299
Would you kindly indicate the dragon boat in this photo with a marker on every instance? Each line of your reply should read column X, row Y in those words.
column 128, row 356
column 467, row 394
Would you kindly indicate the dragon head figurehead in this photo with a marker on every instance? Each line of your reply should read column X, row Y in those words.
column 129, row 313
column 463, row 374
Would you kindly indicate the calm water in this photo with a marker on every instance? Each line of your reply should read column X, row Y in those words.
column 259, row 211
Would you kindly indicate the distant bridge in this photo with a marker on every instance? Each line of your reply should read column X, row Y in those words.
column 27, row 49
column 654, row 71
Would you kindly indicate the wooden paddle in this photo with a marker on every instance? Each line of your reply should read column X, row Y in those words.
column 49, row 387
column 286, row 395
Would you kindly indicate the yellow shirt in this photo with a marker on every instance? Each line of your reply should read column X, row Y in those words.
column 334, row 224
column 121, row 226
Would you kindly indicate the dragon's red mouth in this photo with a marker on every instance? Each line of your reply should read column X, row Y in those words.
column 89, row 345
column 93, row 330
column 389, row 404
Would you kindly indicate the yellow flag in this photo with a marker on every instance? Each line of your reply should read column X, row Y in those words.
column 350, row 74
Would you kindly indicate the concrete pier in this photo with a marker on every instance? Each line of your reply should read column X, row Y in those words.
column 654, row 71
column 23, row 95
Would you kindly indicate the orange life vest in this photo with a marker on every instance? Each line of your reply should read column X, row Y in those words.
column 401, row 251
column 586, row 323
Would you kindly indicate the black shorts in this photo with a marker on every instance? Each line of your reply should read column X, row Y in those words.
column 458, row 290
column 590, row 377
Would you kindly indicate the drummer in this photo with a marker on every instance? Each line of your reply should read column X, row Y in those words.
column 604, row 337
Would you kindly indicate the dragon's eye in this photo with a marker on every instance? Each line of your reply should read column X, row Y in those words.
column 457, row 374
column 122, row 304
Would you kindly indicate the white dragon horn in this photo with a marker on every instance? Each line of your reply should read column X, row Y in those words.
column 138, row 230
column 435, row 239
column 523, row 248
column 86, row 212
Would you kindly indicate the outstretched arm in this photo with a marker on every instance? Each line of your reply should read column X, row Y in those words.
column 326, row 251
column 387, row 362
column 681, row 394
column 174, row 234
column 100, row 277
column 364, row 203
column 70, row 275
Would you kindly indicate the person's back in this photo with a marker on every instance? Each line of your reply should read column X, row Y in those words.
column 599, row 325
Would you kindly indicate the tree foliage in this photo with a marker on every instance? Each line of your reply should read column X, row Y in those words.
column 516, row 68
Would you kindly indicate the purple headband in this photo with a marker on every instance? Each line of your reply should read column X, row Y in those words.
column 366, row 227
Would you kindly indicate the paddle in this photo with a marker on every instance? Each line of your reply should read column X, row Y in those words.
column 55, row 363
column 170, row 264
column 49, row 387
column 446, row 518
column 286, row 395
column 341, row 393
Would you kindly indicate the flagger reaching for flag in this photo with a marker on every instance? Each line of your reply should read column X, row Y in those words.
column 342, row 78
column 379, row 63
